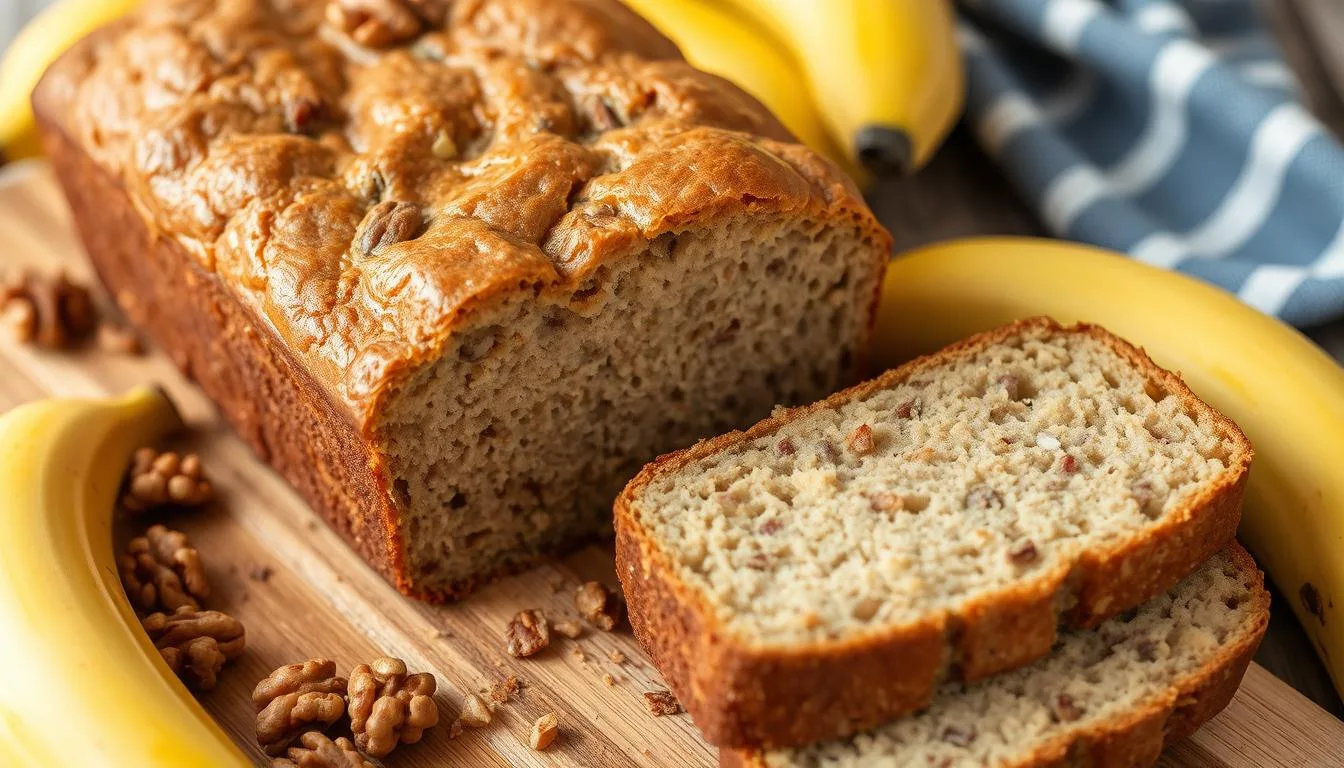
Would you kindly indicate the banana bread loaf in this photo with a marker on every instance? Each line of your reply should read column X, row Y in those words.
column 1113, row 696
column 457, row 268
column 823, row 572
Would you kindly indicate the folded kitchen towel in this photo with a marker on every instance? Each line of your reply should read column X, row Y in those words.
column 1167, row 129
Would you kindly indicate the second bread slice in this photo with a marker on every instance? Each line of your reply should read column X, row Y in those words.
column 824, row 571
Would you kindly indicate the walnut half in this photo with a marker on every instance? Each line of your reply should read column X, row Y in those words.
column 315, row 750
column 162, row 572
column 196, row 644
column 297, row 699
column 390, row 707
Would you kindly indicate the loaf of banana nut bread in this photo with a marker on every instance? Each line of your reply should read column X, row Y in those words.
column 1113, row 696
column 456, row 269
column 823, row 572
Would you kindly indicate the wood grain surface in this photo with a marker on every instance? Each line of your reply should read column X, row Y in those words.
column 302, row 593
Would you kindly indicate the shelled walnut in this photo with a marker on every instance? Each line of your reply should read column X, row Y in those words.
column 157, row 479
column 598, row 605
column 296, row 699
column 48, row 310
column 162, row 572
column 529, row 632
column 390, row 707
column 315, row 750
column 196, row 644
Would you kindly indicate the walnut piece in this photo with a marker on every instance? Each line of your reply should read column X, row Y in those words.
column 528, row 633
column 48, row 310
column 660, row 703
column 380, row 23
column 160, row 479
column 475, row 712
column 318, row 751
column 544, row 731
column 861, row 440
column 162, row 572
column 1023, row 553
column 598, row 605
column 196, row 644
column 1065, row 709
column 958, row 737
column 390, row 707
column 296, row 699
column 983, row 497
column 1012, row 385
column 388, row 223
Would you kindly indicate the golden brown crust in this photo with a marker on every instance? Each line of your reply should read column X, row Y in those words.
column 1138, row 737
column 540, row 139
column 221, row 157
column 746, row 696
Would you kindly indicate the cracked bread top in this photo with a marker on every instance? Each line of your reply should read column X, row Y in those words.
column 366, row 173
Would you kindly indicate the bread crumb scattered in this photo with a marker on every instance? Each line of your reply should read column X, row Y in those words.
column 660, row 703
column 505, row 689
column 616, row 657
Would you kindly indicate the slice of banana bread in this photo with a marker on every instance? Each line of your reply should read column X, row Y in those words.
column 824, row 571
column 1112, row 696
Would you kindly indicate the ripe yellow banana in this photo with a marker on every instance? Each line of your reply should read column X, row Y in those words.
column 887, row 74
column 38, row 44
column 83, row 686
column 727, row 45
column 1284, row 392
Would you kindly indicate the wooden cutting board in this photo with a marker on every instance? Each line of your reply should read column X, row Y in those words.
column 301, row 593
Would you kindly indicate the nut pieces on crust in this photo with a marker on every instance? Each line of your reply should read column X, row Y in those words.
column 295, row 699
column 158, row 479
column 390, row 707
column 196, row 644
column 315, row 750
column 162, row 572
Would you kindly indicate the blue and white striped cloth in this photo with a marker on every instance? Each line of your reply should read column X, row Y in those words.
column 1168, row 129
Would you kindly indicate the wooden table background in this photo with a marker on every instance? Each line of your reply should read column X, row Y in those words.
column 958, row 194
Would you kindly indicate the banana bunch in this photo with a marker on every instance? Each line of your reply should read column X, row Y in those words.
column 1284, row 392
column 38, row 44
column 85, row 686
column 881, row 80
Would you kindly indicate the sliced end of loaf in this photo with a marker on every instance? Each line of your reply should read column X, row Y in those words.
column 950, row 513
column 1118, row 694
column 518, row 438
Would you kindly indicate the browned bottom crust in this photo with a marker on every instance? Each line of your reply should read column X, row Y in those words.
column 1138, row 738
column 747, row 696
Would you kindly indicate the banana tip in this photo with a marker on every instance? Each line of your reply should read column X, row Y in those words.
column 885, row 150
